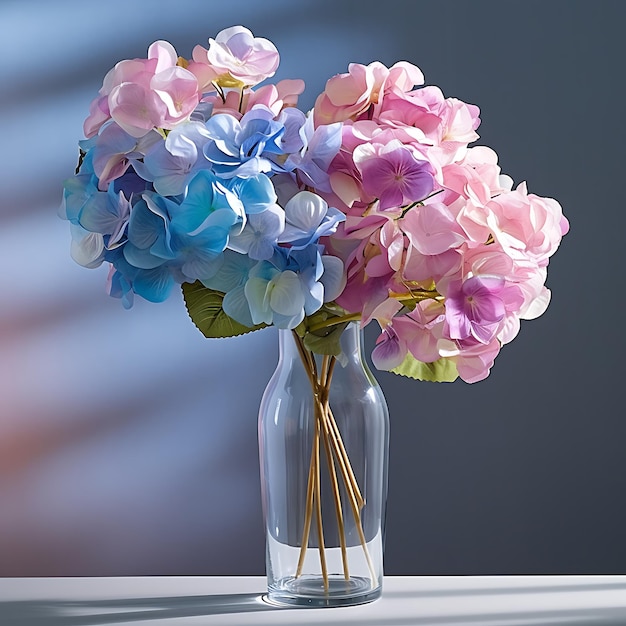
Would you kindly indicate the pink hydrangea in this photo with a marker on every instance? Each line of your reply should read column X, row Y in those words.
column 416, row 332
column 432, row 222
column 525, row 223
column 143, row 94
column 348, row 95
column 473, row 360
column 235, row 58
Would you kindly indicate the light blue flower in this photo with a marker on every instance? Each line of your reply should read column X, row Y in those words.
column 275, row 297
column 114, row 150
column 170, row 164
column 256, row 193
column 293, row 140
column 240, row 148
column 281, row 291
column 78, row 190
column 87, row 249
column 233, row 273
column 167, row 173
column 154, row 285
column 322, row 276
column 307, row 218
column 119, row 286
column 261, row 233
column 307, row 264
column 231, row 280
column 189, row 237
column 108, row 214
column 149, row 236
column 319, row 147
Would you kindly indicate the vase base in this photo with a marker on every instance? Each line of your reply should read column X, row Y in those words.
column 310, row 591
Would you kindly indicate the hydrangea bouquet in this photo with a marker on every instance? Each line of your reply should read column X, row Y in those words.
column 371, row 206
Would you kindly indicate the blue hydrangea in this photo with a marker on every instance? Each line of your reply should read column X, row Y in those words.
column 199, row 202
column 241, row 148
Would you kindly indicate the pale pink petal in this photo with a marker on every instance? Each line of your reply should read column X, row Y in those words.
column 204, row 73
column 350, row 89
column 473, row 365
column 165, row 54
column 236, row 52
column 98, row 115
column 432, row 229
column 178, row 88
column 405, row 76
column 136, row 110
column 345, row 187
column 289, row 90
column 538, row 306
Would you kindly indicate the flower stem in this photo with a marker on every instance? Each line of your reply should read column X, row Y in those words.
column 318, row 506
column 333, row 321
column 220, row 92
column 328, row 367
column 416, row 295
column 325, row 427
column 308, row 512
column 337, row 498
column 344, row 462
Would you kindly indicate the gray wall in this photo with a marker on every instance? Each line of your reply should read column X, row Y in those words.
column 126, row 444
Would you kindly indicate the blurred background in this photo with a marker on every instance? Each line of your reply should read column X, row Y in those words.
column 126, row 444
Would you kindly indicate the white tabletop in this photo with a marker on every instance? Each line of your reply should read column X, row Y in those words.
column 235, row 601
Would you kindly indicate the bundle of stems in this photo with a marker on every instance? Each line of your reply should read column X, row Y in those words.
column 338, row 465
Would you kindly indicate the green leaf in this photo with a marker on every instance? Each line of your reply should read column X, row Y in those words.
column 301, row 329
column 441, row 371
column 204, row 306
column 334, row 309
column 326, row 340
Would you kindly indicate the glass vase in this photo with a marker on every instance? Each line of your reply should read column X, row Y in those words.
column 323, row 439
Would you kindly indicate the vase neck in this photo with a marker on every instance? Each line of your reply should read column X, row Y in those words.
column 351, row 340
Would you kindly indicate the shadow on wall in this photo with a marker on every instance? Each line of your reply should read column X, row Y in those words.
column 126, row 443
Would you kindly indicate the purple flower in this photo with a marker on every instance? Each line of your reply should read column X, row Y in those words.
column 475, row 308
column 390, row 350
column 393, row 173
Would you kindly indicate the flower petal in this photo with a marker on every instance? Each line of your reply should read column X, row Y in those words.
column 286, row 294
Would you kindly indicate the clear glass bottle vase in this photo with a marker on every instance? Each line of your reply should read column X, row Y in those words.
column 324, row 439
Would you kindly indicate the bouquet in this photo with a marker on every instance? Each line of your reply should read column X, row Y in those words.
column 372, row 206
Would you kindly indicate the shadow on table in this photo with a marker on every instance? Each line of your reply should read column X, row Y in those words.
column 115, row 611
column 94, row 612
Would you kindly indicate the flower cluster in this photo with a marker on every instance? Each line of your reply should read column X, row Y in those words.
column 437, row 245
column 371, row 206
column 176, row 183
